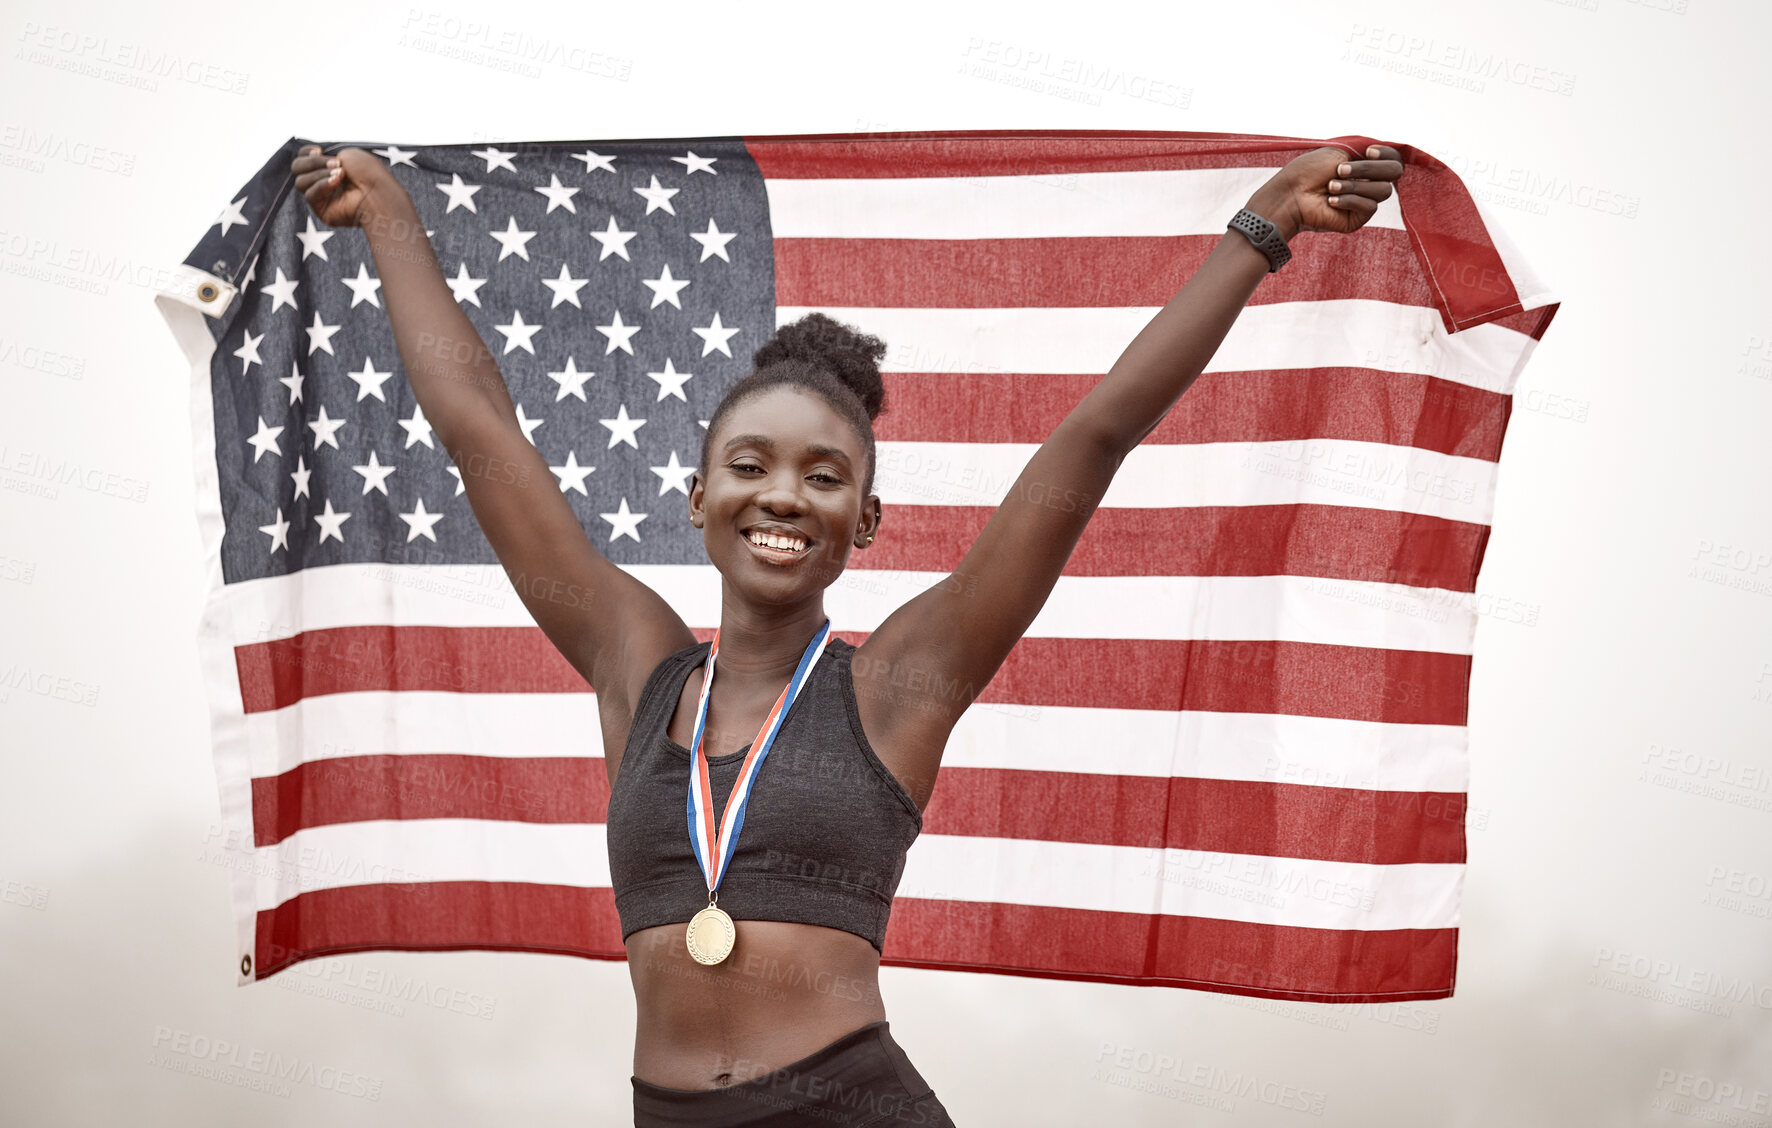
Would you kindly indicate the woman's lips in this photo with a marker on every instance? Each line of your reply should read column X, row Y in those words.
column 775, row 556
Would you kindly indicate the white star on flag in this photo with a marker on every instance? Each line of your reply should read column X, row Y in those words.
column 572, row 475
column 363, row 287
column 419, row 523
column 571, row 381
column 460, row 194
column 623, row 523
column 622, row 429
column 619, row 335
column 518, row 334
column 330, row 523
column 282, row 291
column 279, row 531
column 670, row 381
column 695, row 164
column 559, row 196
column 248, row 351
column 658, row 196
column 232, row 214
column 313, row 240
column 614, row 241
column 325, row 429
column 714, row 336
column 512, row 241
column 375, row 475
column 265, row 440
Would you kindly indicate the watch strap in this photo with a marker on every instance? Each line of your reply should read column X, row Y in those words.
column 1264, row 235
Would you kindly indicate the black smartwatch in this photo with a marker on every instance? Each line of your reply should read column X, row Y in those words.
column 1265, row 236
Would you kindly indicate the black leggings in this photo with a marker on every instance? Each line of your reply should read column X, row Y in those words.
column 863, row 1078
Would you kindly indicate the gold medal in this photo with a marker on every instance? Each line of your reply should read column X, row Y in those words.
column 711, row 935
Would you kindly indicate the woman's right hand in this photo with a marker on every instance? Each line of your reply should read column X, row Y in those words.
column 338, row 200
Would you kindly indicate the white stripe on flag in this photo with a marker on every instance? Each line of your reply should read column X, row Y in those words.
column 1128, row 879
column 1260, row 608
column 1343, row 332
column 1260, row 747
column 1246, row 887
column 1157, row 202
column 1344, row 472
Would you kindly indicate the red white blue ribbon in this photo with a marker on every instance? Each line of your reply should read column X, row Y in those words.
column 714, row 846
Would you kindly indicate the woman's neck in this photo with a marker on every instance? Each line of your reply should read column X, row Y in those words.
column 765, row 647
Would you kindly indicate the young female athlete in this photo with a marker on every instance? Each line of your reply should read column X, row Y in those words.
column 754, row 947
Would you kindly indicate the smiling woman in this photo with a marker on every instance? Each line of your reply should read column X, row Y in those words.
column 754, row 926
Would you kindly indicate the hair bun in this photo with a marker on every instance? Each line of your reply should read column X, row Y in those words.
column 842, row 350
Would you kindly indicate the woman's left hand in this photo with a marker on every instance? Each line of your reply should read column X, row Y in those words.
column 1325, row 190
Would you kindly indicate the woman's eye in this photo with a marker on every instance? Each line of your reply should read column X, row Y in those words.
column 828, row 478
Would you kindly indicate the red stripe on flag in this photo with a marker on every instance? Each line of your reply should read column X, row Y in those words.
column 366, row 658
column 985, row 152
column 564, row 920
column 1262, row 405
column 1230, row 816
column 1296, row 678
column 1327, row 541
column 341, row 789
column 1223, row 816
column 1263, row 960
column 1083, row 271
column 1216, row 676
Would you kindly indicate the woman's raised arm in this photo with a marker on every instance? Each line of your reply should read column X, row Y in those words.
column 953, row 637
column 610, row 626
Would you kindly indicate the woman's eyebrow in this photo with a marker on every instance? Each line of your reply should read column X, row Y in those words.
column 768, row 444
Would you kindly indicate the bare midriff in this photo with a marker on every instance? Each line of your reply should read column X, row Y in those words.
column 786, row 991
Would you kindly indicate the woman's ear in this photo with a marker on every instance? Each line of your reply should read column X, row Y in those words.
column 869, row 527
column 695, row 499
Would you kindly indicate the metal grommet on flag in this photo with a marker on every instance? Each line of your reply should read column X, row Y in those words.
column 246, row 964
column 208, row 291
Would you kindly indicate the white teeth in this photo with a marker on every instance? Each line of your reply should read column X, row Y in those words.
column 774, row 540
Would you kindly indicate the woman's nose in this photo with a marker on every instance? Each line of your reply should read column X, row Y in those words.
column 781, row 492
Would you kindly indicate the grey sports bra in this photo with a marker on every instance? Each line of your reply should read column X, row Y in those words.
column 824, row 836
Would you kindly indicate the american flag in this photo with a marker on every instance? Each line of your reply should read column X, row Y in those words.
column 1229, row 754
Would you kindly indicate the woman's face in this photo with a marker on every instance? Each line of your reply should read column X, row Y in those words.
column 783, row 466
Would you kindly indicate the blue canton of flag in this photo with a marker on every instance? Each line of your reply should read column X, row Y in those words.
column 621, row 289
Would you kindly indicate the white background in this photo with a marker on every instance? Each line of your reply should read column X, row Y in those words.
column 1632, row 519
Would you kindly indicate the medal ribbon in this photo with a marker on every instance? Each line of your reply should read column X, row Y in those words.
column 713, row 846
